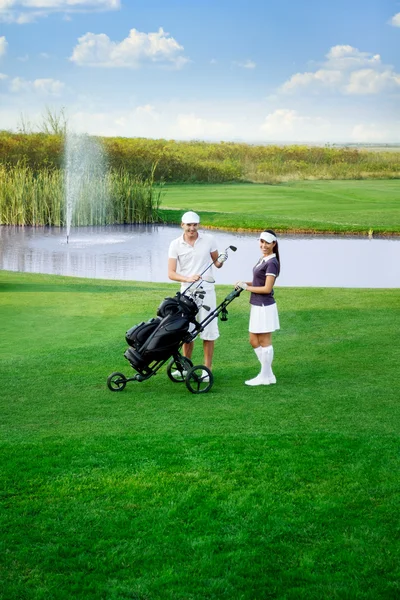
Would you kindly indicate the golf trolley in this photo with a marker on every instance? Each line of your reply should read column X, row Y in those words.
column 153, row 343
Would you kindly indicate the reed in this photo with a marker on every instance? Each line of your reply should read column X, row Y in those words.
column 29, row 198
column 132, row 199
column 37, row 197
column 203, row 162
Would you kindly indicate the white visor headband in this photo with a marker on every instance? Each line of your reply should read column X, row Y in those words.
column 267, row 237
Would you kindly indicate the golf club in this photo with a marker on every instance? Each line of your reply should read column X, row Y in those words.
column 233, row 248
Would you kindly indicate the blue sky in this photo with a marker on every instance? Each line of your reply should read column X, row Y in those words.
column 255, row 70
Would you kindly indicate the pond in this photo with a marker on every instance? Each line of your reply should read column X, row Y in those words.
column 139, row 252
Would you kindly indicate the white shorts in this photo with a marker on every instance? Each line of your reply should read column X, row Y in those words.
column 211, row 332
column 264, row 319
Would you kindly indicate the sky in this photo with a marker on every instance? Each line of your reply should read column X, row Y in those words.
column 256, row 71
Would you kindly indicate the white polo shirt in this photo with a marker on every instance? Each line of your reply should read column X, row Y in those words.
column 193, row 259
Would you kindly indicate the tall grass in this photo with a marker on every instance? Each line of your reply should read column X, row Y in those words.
column 211, row 162
column 37, row 197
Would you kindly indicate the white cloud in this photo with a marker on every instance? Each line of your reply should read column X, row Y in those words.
column 43, row 87
column 201, row 122
column 3, row 45
column 288, row 125
column 167, row 121
column 20, row 18
column 190, row 126
column 245, row 64
column 395, row 20
column 346, row 57
column 147, row 111
column 18, row 84
column 324, row 77
column 144, row 115
column 26, row 11
column 97, row 50
column 218, row 119
column 376, row 132
column 3, row 76
column 368, row 81
column 346, row 71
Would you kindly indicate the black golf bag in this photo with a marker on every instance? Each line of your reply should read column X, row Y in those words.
column 161, row 337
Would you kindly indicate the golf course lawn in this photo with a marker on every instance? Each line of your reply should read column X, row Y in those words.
column 286, row 491
column 315, row 206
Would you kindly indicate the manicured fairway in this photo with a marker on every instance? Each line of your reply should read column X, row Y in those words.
column 289, row 491
column 337, row 206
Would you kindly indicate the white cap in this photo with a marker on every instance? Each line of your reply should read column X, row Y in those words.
column 190, row 217
column 267, row 237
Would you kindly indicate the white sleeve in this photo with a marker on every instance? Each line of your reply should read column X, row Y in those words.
column 173, row 250
column 213, row 244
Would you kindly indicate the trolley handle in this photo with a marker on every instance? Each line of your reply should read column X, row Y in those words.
column 235, row 293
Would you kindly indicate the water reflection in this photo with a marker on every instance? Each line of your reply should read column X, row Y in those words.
column 139, row 252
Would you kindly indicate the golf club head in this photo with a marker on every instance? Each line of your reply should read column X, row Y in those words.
column 208, row 279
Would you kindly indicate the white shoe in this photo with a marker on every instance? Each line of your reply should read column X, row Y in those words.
column 178, row 375
column 205, row 376
column 272, row 379
column 257, row 381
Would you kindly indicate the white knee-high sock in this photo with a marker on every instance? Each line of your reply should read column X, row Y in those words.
column 258, row 351
column 267, row 356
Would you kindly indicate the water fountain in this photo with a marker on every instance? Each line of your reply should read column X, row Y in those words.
column 85, row 168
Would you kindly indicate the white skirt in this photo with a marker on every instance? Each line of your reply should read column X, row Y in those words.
column 264, row 319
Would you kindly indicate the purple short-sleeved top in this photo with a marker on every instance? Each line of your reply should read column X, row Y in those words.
column 264, row 267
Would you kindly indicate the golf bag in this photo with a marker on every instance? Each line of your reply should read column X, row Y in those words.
column 161, row 337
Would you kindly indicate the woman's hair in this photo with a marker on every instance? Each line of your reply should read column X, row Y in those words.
column 276, row 248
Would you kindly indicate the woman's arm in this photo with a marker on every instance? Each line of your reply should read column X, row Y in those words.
column 265, row 289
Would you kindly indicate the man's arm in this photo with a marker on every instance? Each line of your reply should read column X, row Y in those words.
column 172, row 274
column 214, row 257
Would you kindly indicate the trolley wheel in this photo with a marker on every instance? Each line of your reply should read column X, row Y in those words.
column 199, row 380
column 116, row 382
column 182, row 364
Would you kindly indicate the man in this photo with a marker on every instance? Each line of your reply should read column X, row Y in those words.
column 189, row 255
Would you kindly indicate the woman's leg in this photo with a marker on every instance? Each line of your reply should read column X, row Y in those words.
column 267, row 356
column 256, row 345
column 253, row 339
column 265, row 339
column 254, row 342
column 262, row 344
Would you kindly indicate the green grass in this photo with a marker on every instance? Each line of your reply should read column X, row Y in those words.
column 288, row 491
column 320, row 206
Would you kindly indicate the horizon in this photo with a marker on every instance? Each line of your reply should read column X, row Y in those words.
column 338, row 144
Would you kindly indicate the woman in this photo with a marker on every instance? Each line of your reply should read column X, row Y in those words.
column 264, row 317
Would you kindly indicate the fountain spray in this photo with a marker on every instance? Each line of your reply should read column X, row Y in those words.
column 84, row 168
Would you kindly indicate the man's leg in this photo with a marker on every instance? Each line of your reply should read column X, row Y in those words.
column 208, row 348
column 187, row 349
